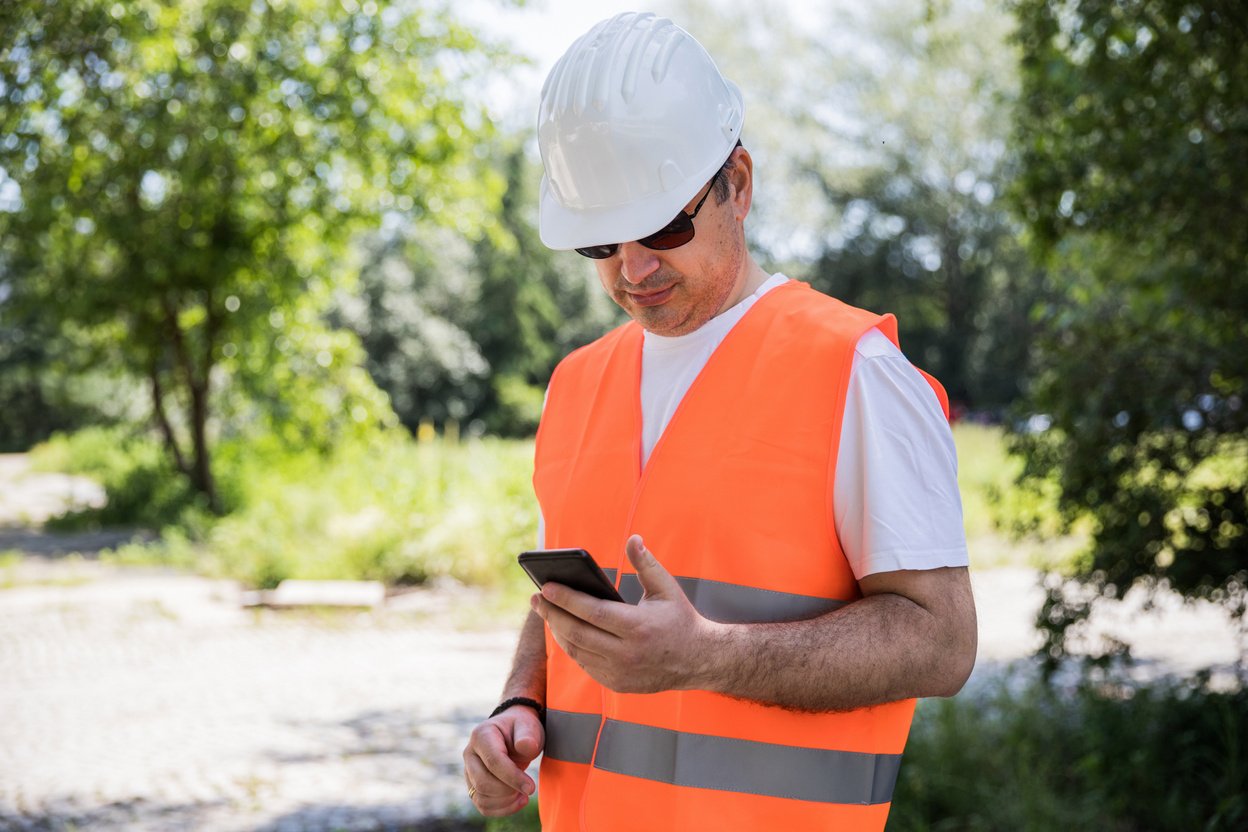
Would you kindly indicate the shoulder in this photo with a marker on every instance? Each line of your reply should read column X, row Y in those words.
column 812, row 322
column 875, row 344
column 801, row 303
column 884, row 380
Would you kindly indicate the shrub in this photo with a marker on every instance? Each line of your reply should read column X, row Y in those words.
column 1101, row 756
column 384, row 509
column 142, row 487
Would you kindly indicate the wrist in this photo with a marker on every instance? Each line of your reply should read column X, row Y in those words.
column 524, row 701
column 711, row 651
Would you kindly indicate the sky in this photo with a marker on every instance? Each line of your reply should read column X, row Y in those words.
column 544, row 29
column 540, row 30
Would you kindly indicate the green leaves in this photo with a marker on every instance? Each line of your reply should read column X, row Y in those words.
column 1141, row 109
column 178, row 177
column 1133, row 135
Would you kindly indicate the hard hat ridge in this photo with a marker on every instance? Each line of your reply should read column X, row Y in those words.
column 591, row 57
column 670, row 38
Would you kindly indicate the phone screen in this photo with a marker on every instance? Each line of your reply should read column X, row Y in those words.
column 573, row 568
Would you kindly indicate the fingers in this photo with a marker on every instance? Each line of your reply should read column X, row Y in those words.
column 609, row 617
column 489, row 794
column 498, row 751
column 580, row 640
column 491, row 771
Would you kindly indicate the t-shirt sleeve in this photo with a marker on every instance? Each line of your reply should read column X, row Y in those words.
column 896, row 503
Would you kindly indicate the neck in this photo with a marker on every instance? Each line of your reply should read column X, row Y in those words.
column 752, row 276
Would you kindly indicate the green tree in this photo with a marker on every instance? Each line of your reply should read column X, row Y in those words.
column 180, row 180
column 880, row 134
column 26, row 356
column 536, row 305
column 411, row 310
column 470, row 329
column 1133, row 137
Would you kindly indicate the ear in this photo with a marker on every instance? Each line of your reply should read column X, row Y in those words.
column 741, row 178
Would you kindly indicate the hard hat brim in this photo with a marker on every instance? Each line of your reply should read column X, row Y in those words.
column 564, row 229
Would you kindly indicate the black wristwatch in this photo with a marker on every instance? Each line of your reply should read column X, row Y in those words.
column 522, row 700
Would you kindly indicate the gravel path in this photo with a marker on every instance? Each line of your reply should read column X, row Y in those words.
column 142, row 700
column 147, row 701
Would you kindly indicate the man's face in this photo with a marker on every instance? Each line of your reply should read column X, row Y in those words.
column 675, row 292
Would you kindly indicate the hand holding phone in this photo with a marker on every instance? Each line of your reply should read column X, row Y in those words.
column 574, row 568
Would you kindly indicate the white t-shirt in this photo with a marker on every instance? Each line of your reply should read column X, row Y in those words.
column 896, row 503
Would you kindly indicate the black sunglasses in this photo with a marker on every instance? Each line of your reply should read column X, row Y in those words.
column 673, row 235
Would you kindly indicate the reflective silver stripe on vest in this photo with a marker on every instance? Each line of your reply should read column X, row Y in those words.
column 737, row 604
column 570, row 736
column 733, row 765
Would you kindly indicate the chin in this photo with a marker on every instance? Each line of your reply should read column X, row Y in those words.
column 667, row 323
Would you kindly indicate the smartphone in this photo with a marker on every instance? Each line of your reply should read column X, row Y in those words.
column 574, row 568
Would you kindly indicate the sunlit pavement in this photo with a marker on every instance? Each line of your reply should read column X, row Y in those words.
column 1172, row 639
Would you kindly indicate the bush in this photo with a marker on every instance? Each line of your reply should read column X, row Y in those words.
column 1100, row 756
column 384, row 509
column 143, row 489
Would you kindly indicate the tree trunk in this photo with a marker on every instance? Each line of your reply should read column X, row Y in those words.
column 200, row 472
column 959, row 318
column 162, row 419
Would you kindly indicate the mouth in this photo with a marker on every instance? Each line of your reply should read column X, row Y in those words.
column 651, row 298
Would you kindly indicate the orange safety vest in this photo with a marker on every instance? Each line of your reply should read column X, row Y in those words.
column 736, row 502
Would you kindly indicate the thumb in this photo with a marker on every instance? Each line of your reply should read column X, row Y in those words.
column 655, row 580
column 526, row 740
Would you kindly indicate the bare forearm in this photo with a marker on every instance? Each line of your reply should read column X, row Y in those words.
column 528, row 667
column 878, row 649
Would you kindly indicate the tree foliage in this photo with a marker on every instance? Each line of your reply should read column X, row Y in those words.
column 1133, row 136
column 179, row 181
column 880, row 139
column 536, row 305
column 470, row 330
column 923, row 228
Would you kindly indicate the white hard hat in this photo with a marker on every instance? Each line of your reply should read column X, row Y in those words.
column 635, row 119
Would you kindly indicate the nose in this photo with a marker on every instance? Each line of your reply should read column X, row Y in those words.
column 637, row 262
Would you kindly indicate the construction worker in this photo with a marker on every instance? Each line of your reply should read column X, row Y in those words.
column 767, row 479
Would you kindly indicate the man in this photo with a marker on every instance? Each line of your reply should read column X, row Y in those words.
column 768, row 480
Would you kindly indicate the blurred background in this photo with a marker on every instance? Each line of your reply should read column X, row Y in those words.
column 273, row 307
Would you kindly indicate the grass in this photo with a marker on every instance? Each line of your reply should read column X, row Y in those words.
column 10, row 560
column 141, row 486
column 396, row 510
column 986, row 475
column 390, row 510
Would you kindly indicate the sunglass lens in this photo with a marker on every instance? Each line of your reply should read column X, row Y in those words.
column 673, row 235
column 598, row 252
